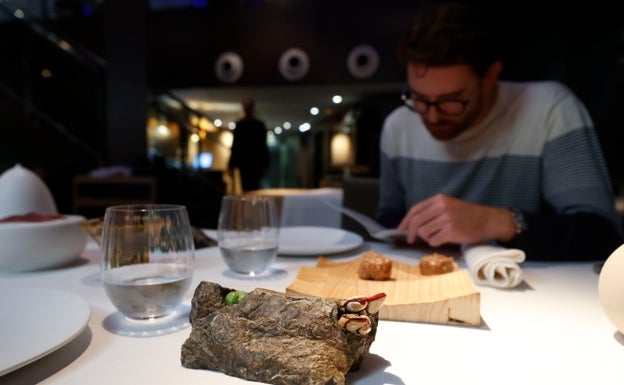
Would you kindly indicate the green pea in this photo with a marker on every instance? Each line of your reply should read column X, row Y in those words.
column 234, row 297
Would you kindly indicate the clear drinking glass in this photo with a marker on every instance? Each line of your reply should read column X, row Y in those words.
column 148, row 258
column 248, row 233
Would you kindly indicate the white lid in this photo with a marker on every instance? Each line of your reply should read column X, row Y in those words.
column 22, row 191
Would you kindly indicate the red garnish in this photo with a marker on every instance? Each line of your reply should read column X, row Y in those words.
column 31, row 217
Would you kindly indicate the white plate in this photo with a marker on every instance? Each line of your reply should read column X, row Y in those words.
column 310, row 240
column 36, row 322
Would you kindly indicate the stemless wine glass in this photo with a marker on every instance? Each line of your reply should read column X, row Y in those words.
column 147, row 258
column 248, row 233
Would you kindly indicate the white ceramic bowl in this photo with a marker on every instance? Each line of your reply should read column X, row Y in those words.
column 27, row 246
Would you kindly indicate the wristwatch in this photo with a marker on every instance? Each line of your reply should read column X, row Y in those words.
column 519, row 221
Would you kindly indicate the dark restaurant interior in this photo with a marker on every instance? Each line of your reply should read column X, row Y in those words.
column 149, row 87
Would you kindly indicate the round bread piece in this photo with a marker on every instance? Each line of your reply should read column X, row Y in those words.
column 375, row 266
column 436, row 264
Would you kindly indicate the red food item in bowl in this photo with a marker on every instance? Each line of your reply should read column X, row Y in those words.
column 31, row 217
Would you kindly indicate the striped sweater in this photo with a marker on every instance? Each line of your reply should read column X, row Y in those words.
column 536, row 150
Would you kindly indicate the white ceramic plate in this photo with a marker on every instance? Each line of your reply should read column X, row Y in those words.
column 36, row 322
column 310, row 240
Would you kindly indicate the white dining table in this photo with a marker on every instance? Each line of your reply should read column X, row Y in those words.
column 549, row 330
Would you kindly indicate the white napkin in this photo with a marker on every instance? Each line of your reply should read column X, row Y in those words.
column 494, row 265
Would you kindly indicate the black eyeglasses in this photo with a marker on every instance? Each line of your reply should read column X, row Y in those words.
column 445, row 107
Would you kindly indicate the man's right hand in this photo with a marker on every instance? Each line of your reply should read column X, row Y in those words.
column 442, row 219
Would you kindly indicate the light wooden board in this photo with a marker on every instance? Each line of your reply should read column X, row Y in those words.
column 445, row 299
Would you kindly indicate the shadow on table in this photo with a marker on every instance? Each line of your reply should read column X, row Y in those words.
column 78, row 262
column 373, row 370
column 48, row 365
column 523, row 286
column 92, row 280
column 117, row 323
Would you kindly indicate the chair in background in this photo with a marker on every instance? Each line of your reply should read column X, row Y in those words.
column 360, row 194
column 92, row 195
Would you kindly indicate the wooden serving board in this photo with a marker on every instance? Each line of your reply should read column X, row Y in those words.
column 443, row 299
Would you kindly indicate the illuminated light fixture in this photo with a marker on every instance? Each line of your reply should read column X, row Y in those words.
column 304, row 127
column 65, row 45
column 229, row 67
column 195, row 138
column 314, row 111
column 194, row 120
column 170, row 102
column 226, row 137
column 278, row 130
column 206, row 125
column 163, row 130
column 214, row 106
column 271, row 139
column 218, row 122
column 203, row 160
column 363, row 61
column 337, row 99
column 232, row 125
column 286, row 125
column 46, row 73
column 341, row 150
column 19, row 14
column 294, row 64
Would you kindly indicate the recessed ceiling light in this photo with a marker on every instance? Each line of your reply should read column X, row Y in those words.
column 304, row 127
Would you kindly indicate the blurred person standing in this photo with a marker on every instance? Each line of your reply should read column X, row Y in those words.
column 470, row 158
column 250, row 153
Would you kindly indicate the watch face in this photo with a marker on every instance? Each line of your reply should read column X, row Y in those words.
column 519, row 221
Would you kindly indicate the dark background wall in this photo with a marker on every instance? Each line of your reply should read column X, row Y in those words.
column 156, row 50
column 189, row 41
column 579, row 44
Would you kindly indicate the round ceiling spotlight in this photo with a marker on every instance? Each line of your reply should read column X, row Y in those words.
column 294, row 64
column 229, row 67
column 363, row 61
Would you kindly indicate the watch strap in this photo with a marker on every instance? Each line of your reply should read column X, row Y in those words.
column 519, row 220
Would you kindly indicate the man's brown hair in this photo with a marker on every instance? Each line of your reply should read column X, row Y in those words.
column 449, row 33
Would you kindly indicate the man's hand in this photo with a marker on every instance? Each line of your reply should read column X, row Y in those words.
column 442, row 219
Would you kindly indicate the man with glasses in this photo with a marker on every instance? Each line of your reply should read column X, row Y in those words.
column 471, row 158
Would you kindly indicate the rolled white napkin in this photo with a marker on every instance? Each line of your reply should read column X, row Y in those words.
column 494, row 265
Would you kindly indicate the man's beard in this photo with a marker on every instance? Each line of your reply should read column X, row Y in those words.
column 445, row 130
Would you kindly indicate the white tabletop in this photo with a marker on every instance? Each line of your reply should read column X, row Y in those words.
column 550, row 330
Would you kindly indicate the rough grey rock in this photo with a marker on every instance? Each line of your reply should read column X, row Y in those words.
column 271, row 337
